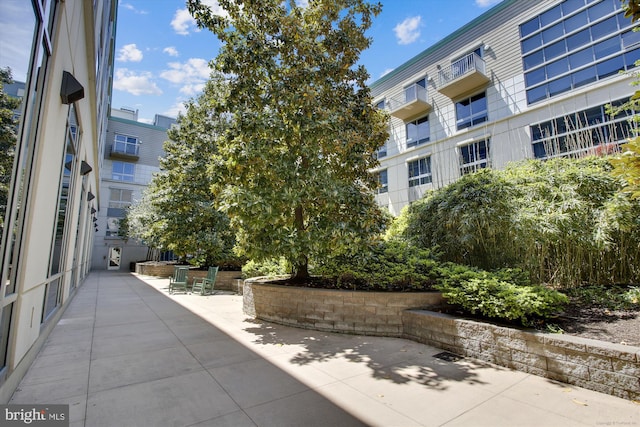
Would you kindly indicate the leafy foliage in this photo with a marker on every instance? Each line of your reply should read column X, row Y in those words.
column 492, row 297
column 393, row 265
column 302, row 128
column 268, row 267
column 7, row 138
column 564, row 221
column 178, row 210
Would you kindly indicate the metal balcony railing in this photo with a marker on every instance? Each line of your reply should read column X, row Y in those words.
column 412, row 101
column 465, row 65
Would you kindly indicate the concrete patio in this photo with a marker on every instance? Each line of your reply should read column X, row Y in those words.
column 125, row 353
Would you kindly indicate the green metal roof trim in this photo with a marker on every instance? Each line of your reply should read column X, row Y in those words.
column 141, row 124
column 477, row 21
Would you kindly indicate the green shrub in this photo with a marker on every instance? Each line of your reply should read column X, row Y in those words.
column 494, row 298
column 393, row 265
column 270, row 267
column 565, row 221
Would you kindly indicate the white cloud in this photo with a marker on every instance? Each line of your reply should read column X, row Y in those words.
column 176, row 108
column 408, row 31
column 302, row 3
column 192, row 89
column 129, row 52
column 486, row 3
column 195, row 70
column 135, row 83
column 183, row 23
column 171, row 51
column 133, row 9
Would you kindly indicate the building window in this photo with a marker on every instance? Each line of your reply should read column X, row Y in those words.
column 575, row 134
column 383, row 182
column 380, row 105
column 382, row 151
column 123, row 171
column 417, row 131
column 124, row 144
column 471, row 111
column 575, row 43
column 120, row 198
column 419, row 171
column 474, row 156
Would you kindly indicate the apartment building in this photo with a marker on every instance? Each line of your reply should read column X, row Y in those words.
column 527, row 79
column 62, row 51
column 131, row 156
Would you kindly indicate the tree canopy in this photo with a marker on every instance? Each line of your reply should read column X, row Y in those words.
column 177, row 210
column 292, row 170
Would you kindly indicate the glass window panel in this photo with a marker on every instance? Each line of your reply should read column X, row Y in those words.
column 580, row 58
column 529, row 26
column 553, row 33
column 463, row 108
column 622, row 21
column 610, row 67
column 600, row 9
column 550, row 16
column 604, row 28
column 592, row 116
column 531, row 43
column 554, row 50
column 583, row 77
column 536, row 94
column 576, row 21
column 478, row 103
column 538, row 150
column 533, row 59
column 569, row 6
column 542, row 130
column 556, row 68
column 630, row 58
column 535, row 76
column 578, row 39
column 630, row 38
column 560, row 85
column 607, row 47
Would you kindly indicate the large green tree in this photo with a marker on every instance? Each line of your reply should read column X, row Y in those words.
column 292, row 171
column 177, row 210
column 8, row 105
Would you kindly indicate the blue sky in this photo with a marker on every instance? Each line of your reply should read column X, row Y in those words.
column 161, row 57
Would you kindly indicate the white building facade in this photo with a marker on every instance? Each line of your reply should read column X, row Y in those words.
column 527, row 79
column 131, row 157
column 63, row 52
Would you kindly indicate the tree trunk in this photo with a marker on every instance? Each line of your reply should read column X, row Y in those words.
column 302, row 263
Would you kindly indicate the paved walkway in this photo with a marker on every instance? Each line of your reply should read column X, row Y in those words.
column 127, row 354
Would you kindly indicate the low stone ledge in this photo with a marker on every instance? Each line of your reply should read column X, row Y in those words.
column 225, row 280
column 596, row 365
column 375, row 313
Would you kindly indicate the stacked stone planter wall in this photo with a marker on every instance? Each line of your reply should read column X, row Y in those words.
column 596, row 365
column 225, row 280
column 604, row 367
column 367, row 313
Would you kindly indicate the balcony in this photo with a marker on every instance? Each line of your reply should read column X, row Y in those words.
column 463, row 76
column 412, row 102
column 124, row 151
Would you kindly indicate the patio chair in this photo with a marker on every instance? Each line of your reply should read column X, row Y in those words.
column 179, row 279
column 205, row 284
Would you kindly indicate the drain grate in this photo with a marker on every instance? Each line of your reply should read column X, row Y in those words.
column 449, row 357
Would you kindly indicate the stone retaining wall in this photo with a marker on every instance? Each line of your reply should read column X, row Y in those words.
column 225, row 280
column 367, row 313
column 604, row 367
